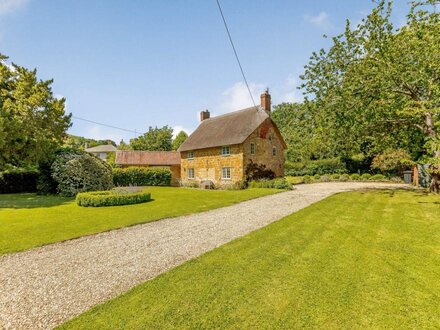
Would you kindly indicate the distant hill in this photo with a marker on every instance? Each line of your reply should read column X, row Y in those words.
column 82, row 142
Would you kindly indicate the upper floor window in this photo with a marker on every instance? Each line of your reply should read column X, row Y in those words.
column 226, row 151
column 190, row 154
column 274, row 151
column 190, row 173
column 252, row 148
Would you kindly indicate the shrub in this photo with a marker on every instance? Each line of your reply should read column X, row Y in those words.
column 312, row 167
column 18, row 180
column 344, row 178
column 355, row 177
column 295, row 179
column 391, row 161
column 279, row 183
column 366, row 176
column 335, row 176
column 111, row 198
column 76, row 171
column 307, row 179
column 316, row 177
column 325, row 178
column 378, row 177
column 141, row 176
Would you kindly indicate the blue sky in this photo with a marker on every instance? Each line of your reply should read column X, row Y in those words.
column 136, row 64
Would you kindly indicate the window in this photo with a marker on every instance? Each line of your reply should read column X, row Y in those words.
column 252, row 148
column 190, row 173
column 190, row 154
column 274, row 151
column 226, row 173
column 226, row 151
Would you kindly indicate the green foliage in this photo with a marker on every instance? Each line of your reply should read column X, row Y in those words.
column 278, row 183
column 123, row 146
column 307, row 178
column 366, row 176
column 111, row 158
column 141, row 176
column 254, row 172
column 18, row 180
column 321, row 166
column 355, row 177
column 391, row 161
column 180, row 138
column 32, row 121
column 111, row 198
column 295, row 179
column 378, row 177
column 344, row 177
column 155, row 139
column 325, row 178
column 77, row 171
column 79, row 142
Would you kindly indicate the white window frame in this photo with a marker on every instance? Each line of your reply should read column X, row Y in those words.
column 274, row 151
column 190, row 155
column 223, row 151
column 228, row 172
column 191, row 170
column 252, row 149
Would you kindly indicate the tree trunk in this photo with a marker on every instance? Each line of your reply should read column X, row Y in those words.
column 435, row 169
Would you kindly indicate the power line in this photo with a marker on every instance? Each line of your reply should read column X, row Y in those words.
column 97, row 123
column 235, row 51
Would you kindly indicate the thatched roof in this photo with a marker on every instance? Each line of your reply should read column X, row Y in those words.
column 227, row 129
column 152, row 158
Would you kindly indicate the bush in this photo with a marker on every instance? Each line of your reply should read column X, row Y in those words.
column 392, row 161
column 335, row 177
column 344, row 177
column 141, row 176
column 355, row 177
column 325, row 178
column 316, row 177
column 377, row 177
column 111, row 198
column 279, row 183
column 321, row 166
column 76, row 171
column 366, row 176
column 18, row 181
column 295, row 179
column 307, row 179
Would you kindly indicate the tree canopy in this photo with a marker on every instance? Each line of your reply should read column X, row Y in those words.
column 179, row 139
column 155, row 139
column 32, row 121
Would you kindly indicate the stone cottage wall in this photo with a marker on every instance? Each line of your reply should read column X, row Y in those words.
column 208, row 164
column 265, row 138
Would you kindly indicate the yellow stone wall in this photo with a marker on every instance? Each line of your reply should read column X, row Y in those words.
column 208, row 164
column 263, row 149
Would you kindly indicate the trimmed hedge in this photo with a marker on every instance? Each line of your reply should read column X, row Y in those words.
column 313, row 167
column 18, row 181
column 111, row 198
column 279, row 183
column 141, row 176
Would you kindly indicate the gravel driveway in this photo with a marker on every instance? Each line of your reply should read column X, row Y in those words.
column 46, row 286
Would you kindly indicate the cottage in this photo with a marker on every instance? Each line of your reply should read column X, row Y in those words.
column 222, row 147
column 101, row 151
column 164, row 159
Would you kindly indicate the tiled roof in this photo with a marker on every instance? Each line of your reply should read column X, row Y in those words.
column 102, row 148
column 134, row 158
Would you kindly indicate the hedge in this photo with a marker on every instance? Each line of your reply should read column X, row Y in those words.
column 18, row 181
column 111, row 198
column 141, row 176
column 315, row 167
column 279, row 183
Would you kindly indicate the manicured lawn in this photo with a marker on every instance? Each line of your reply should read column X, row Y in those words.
column 355, row 260
column 28, row 220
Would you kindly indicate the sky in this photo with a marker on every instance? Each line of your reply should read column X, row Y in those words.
column 138, row 63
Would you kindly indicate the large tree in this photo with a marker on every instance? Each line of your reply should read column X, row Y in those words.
column 32, row 121
column 179, row 139
column 380, row 86
column 155, row 139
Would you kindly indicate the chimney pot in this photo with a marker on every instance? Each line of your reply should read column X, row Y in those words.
column 204, row 115
column 265, row 100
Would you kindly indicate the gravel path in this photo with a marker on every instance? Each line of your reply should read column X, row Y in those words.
column 43, row 287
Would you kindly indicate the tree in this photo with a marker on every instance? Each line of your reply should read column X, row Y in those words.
column 378, row 86
column 179, row 139
column 155, row 139
column 32, row 121
column 123, row 146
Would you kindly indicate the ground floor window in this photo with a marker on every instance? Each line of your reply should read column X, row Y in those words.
column 226, row 173
column 190, row 173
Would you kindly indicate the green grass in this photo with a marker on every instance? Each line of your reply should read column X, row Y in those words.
column 28, row 220
column 355, row 260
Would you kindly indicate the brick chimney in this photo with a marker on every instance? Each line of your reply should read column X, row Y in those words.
column 204, row 115
column 265, row 100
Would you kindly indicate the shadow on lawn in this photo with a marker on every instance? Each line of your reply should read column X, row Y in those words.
column 29, row 201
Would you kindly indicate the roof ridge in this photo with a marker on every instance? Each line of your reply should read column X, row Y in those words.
column 233, row 112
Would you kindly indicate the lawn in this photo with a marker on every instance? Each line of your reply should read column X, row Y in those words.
column 28, row 220
column 355, row 260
